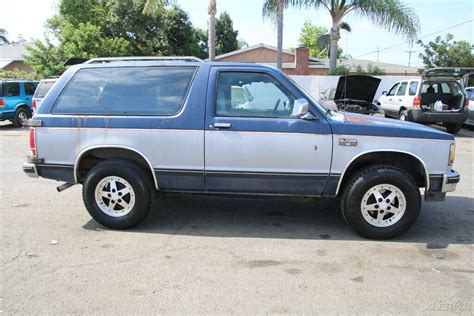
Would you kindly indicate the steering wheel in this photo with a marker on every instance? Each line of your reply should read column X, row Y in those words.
column 276, row 106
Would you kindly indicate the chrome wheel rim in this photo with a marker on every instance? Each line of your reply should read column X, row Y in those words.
column 22, row 117
column 114, row 196
column 403, row 117
column 383, row 205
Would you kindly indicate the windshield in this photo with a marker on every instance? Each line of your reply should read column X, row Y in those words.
column 43, row 88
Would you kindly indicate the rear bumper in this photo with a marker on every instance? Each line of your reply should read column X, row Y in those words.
column 35, row 167
column 441, row 184
column 418, row 115
column 30, row 170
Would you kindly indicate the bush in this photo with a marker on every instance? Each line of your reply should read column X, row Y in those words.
column 17, row 75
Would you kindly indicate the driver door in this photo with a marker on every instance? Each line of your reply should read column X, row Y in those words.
column 252, row 145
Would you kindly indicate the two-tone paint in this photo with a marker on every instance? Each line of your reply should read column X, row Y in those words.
column 197, row 151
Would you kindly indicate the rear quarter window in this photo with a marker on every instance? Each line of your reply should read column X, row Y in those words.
column 126, row 91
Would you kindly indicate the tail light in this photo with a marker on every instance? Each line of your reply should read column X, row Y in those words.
column 2, row 103
column 33, row 142
column 33, row 104
column 466, row 102
column 417, row 102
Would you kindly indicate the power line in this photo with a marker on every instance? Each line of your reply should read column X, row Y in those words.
column 409, row 41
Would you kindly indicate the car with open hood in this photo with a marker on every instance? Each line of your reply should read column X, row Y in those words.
column 438, row 97
column 128, row 128
column 353, row 93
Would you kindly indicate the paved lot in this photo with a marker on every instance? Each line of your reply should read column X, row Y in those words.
column 226, row 255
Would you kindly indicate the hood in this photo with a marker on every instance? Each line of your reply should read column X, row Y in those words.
column 357, row 87
column 357, row 124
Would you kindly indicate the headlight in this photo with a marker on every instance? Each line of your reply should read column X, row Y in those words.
column 452, row 153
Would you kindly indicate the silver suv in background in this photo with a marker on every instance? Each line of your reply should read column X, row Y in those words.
column 438, row 97
column 43, row 87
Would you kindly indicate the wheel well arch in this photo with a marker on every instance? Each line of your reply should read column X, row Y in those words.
column 402, row 108
column 90, row 156
column 22, row 105
column 410, row 163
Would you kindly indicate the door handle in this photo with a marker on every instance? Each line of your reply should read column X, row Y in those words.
column 400, row 100
column 222, row 125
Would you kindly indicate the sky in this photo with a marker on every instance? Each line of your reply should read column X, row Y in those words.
column 27, row 18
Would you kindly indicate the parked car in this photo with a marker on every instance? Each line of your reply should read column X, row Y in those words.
column 470, row 117
column 15, row 100
column 43, row 87
column 126, row 129
column 417, row 99
column 354, row 93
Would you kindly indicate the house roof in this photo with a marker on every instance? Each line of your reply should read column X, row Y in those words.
column 261, row 45
column 387, row 67
column 13, row 52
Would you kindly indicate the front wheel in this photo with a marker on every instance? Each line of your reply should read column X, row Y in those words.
column 381, row 202
column 453, row 128
column 117, row 193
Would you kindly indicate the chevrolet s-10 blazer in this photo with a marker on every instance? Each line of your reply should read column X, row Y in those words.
column 127, row 127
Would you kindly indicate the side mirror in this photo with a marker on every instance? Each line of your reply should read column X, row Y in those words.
column 323, row 96
column 301, row 110
column 384, row 92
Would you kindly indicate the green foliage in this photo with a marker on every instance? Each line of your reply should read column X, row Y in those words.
column 17, row 75
column 447, row 53
column 45, row 59
column 226, row 36
column 309, row 35
column 339, row 71
column 371, row 70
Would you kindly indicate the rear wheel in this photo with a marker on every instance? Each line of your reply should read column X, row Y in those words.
column 403, row 115
column 21, row 116
column 453, row 128
column 381, row 202
column 117, row 193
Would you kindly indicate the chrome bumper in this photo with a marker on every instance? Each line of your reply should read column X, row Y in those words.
column 450, row 181
column 30, row 170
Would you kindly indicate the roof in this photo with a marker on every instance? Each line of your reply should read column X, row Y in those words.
column 387, row 67
column 261, row 45
column 14, row 51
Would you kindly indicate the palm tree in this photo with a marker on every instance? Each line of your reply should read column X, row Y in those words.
column 3, row 37
column 274, row 9
column 392, row 15
column 211, row 38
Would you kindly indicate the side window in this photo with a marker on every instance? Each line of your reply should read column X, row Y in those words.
column 429, row 88
column 11, row 89
column 126, row 91
column 445, row 88
column 413, row 88
column 392, row 91
column 29, row 88
column 252, row 94
column 403, row 88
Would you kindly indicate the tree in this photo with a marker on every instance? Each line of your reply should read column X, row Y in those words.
column 3, row 37
column 309, row 35
column 447, row 53
column 392, row 15
column 211, row 12
column 116, row 28
column 226, row 36
column 274, row 9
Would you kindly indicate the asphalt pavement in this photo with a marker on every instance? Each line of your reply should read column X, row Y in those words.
column 216, row 255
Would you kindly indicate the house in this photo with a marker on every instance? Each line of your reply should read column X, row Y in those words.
column 11, row 57
column 300, row 63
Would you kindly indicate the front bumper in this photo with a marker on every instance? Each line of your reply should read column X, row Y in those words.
column 441, row 184
column 420, row 116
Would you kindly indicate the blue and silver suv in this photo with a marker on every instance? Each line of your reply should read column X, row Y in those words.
column 15, row 100
column 126, row 128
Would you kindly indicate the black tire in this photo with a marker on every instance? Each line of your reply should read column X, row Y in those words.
column 403, row 115
column 138, row 179
column 453, row 128
column 360, row 184
column 21, row 114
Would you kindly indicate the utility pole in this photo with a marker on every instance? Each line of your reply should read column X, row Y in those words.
column 378, row 52
column 409, row 56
